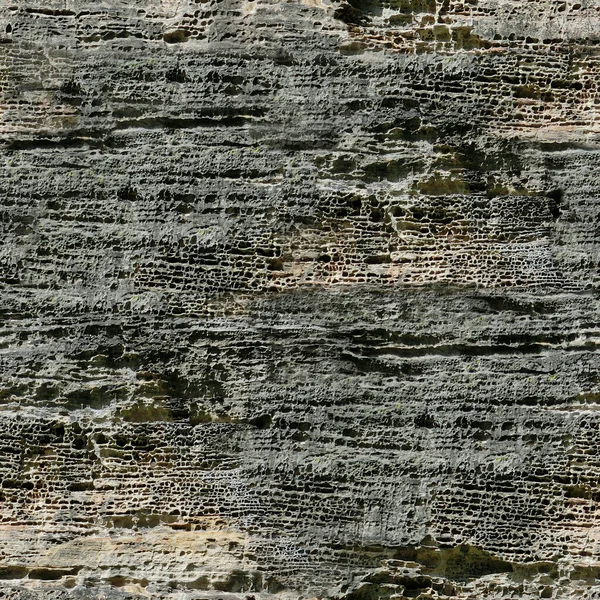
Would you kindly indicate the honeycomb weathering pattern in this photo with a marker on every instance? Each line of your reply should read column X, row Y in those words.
column 299, row 299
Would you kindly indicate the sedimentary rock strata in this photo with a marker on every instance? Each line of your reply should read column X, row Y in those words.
column 299, row 299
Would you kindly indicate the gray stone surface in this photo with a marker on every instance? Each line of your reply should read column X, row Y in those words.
column 299, row 299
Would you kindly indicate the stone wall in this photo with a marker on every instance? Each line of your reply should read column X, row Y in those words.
column 299, row 299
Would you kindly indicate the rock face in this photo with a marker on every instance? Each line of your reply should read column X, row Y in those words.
column 299, row 299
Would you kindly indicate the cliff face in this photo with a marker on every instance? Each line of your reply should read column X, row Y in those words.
column 299, row 299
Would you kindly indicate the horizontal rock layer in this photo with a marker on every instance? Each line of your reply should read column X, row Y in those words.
column 299, row 299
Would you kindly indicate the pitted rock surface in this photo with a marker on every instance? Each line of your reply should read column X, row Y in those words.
column 299, row 299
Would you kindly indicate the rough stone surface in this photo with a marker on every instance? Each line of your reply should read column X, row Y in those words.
column 299, row 299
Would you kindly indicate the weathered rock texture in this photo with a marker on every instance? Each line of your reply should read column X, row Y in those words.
column 300, row 299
